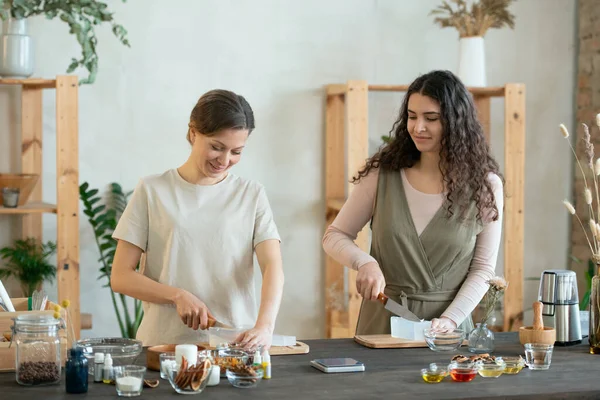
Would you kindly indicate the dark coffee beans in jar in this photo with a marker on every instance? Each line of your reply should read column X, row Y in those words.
column 38, row 372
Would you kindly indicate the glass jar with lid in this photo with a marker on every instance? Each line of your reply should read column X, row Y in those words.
column 38, row 352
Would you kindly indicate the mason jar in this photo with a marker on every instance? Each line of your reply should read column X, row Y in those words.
column 38, row 355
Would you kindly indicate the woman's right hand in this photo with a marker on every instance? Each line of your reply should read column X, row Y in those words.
column 370, row 281
column 192, row 311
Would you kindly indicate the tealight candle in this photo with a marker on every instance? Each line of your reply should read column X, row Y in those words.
column 189, row 351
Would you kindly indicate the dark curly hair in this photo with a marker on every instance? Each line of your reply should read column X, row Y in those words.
column 465, row 158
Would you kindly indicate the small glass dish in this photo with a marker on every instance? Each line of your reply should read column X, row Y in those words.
column 492, row 369
column 513, row 365
column 129, row 380
column 190, row 379
column 123, row 351
column 444, row 340
column 464, row 371
column 245, row 377
column 435, row 373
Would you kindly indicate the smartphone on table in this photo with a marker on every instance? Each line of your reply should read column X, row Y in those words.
column 332, row 365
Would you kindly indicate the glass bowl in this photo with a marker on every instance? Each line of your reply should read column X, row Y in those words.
column 464, row 371
column 435, row 373
column 188, row 379
column 230, row 358
column 513, row 365
column 492, row 369
column 444, row 340
column 244, row 377
column 122, row 351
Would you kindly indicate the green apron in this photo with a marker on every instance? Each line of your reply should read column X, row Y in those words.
column 423, row 273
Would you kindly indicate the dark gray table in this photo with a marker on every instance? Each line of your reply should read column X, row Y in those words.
column 390, row 374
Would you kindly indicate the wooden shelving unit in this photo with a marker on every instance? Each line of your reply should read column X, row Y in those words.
column 346, row 144
column 67, row 180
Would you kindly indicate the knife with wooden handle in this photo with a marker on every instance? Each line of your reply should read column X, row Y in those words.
column 214, row 323
column 396, row 308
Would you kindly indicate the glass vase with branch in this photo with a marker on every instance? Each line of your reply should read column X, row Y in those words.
column 592, row 232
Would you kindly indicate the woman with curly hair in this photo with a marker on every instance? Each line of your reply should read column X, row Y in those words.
column 434, row 197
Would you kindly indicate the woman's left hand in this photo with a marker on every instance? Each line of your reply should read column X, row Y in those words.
column 252, row 339
column 443, row 324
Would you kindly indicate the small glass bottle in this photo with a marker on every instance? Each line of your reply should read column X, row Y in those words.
column 76, row 371
column 266, row 365
column 38, row 351
column 107, row 374
column 98, row 367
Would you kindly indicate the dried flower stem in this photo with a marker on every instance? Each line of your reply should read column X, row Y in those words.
column 594, row 248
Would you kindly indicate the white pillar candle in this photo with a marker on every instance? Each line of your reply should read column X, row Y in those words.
column 189, row 351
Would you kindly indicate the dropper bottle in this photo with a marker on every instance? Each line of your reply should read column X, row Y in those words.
column 107, row 372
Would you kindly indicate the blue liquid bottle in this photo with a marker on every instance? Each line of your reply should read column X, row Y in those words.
column 76, row 371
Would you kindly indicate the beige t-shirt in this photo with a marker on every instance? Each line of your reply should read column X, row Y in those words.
column 201, row 239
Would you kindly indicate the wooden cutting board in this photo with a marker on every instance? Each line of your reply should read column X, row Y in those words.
column 299, row 348
column 387, row 342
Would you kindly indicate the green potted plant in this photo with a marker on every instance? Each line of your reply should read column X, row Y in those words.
column 82, row 16
column 27, row 261
column 103, row 214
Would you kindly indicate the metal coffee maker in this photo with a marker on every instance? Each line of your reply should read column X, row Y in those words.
column 560, row 299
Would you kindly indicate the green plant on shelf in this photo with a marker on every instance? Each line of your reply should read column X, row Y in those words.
column 103, row 215
column 26, row 260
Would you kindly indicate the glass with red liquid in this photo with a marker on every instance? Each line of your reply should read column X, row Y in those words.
column 463, row 371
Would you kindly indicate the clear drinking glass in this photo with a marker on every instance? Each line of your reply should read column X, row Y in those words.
column 538, row 356
column 167, row 360
column 129, row 380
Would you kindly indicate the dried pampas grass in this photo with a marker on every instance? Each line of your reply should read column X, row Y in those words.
column 484, row 15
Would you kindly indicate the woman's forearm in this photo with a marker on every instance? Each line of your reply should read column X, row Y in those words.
column 270, row 298
column 138, row 286
column 268, row 254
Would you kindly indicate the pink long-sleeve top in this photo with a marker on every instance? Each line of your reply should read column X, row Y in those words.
column 338, row 241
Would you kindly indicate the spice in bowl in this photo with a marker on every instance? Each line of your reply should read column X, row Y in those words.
column 244, row 376
column 188, row 378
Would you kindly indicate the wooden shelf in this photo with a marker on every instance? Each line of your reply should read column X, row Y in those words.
column 66, row 88
column 339, row 89
column 31, row 208
column 31, row 82
column 335, row 204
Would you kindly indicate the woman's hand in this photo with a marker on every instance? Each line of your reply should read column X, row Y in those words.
column 370, row 281
column 192, row 311
column 443, row 324
column 255, row 338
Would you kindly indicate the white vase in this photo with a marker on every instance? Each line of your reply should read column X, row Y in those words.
column 16, row 49
column 471, row 62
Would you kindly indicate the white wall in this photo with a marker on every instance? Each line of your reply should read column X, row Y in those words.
column 280, row 54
